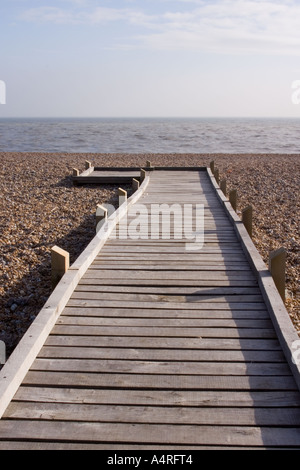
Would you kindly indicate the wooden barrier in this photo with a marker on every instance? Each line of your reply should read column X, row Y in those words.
column 60, row 262
column 277, row 262
column 217, row 175
column 122, row 196
column 143, row 175
column 212, row 166
column 223, row 186
column 247, row 219
column 135, row 184
column 88, row 165
column 233, row 199
column 75, row 172
column 101, row 216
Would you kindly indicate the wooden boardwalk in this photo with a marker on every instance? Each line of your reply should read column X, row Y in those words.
column 160, row 347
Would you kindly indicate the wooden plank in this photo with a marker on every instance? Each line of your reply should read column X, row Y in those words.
column 154, row 342
column 165, row 322
column 69, row 352
column 205, row 399
column 128, row 312
column 139, row 273
column 224, row 305
column 233, row 270
column 114, row 283
column 168, row 298
column 69, row 446
column 170, row 249
column 171, row 313
column 172, row 256
column 155, row 415
column 166, row 290
column 164, row 331
column 161, row 382
column 149, row 433
column 160, row 368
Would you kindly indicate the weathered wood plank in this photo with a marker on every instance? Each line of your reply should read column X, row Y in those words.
column 138, row 273
column 161, row 368
column 166, row 282
column 160, row 382
column 165, row 322
column 197, row 298
column 149, row 433
column 165, row 290
column 164, row 331
column 171, row 313
column 154, row 342
column 222, row 305
column 206, row 399
column 155, row 415
column 69, row 352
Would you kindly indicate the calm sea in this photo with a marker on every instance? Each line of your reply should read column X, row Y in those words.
column 150, row 135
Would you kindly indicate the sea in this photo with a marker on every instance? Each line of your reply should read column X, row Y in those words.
column 150, row 135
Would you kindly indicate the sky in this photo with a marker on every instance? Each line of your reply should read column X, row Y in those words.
column 149, row 58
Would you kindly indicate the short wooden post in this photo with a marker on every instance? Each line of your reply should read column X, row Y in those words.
column 75, row 172
column 87, row 165
column 223, row 186
column 122, row 196
column 247, row 219
column 148, row 164
column 2, row 352
column 135, row 184
column 212, row 166
column 217, row 176
column 277, row 262
column 101, row 216
column 233, row 199
column 143, row 175
column 60, row 262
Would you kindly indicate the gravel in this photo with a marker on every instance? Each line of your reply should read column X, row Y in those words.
column 41, row 208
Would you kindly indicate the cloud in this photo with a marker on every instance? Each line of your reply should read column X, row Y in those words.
column 50, row 15
column 224, row 26
column 230, row 26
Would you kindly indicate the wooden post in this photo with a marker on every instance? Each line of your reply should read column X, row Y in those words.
column 217, row 177
column 101, row 216
column 247, row 219
column 212, row 166
column 75, row 172
column 135, row 184
column 87, row 165
column 223, row 186
column 122, row 196
column 277, row 261
column 148, row 164
column 233, row 199
column 143, row 175
column 60, row 262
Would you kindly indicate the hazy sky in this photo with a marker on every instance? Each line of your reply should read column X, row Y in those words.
column 149, row 57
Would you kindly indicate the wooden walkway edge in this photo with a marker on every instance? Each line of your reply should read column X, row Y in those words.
column 17, row 365
column 285, row 330
column 145, row 344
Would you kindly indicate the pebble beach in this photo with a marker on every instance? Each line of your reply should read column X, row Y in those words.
column 40, row 207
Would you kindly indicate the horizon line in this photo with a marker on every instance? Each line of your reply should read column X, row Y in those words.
column 149, row 117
